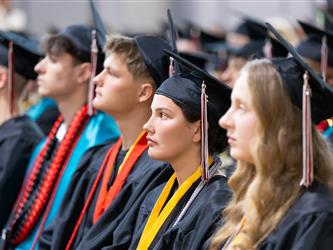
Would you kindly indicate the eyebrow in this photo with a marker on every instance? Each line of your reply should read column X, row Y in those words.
column 162, row 109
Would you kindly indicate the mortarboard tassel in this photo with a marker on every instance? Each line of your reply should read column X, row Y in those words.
column 11, row 78
column 171, row 67
column 307, row 177
column 91, row 91
column 204, row 134
column 324, row 57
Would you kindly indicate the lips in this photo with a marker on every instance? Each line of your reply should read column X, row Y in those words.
column 150, row 141
column 231, row 139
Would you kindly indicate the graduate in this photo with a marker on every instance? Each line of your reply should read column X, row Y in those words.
column 244, row 43
column 183, row 213
column 45, row 112
column 18, row 134
column 316, row 49
column 113, row 185
column 276, row 203
column 63, row 75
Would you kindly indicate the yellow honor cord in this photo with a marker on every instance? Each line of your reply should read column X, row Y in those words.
column 158, row 217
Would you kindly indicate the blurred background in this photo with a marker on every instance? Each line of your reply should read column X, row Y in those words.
column 39, row 16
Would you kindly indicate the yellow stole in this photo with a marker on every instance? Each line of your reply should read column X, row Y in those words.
column 158, row 215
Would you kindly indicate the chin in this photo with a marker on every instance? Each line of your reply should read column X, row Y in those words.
column 154, row 154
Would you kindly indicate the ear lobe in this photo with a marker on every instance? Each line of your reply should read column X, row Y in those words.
column 84, row 72
column 3, row 78
column 197, row 132
column 146, row 91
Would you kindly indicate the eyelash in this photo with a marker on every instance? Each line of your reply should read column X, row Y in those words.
column 162, row 115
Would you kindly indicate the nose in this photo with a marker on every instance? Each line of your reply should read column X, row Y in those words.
column 98, row 80
column 148, row 126
column 226, row 121
column 39, row 67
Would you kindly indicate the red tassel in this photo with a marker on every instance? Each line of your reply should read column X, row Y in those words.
column 307, row 177
column 91, row 91
column 11, row 70
column 324, row 58
column 204, row 134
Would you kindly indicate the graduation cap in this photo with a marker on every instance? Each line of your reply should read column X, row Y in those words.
column 19, row 53
column 97, row 44
column 190, row 89
column 317, row 46
column 151, row 49
column 302, row 82
column 252, row 28
column 275, row 48
column 253, row 49
column 173, row 67
column 98, row 25
column 26, row 52
column 211, row 42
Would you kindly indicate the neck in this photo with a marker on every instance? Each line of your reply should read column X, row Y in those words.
column 186, row 164
column 131, row 125
column 69, row 109
column 70, row 104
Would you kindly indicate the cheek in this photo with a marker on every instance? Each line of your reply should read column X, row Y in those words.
column 172, row 140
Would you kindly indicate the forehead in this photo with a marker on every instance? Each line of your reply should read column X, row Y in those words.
column 241, row 91
column 161, row 101
column 114, row 58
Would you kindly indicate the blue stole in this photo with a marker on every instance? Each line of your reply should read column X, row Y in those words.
column 101, row 128
column 38, row 109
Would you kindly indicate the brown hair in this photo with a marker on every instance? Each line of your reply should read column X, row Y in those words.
column 57, row 45
column 259, row 191
column 127, row 47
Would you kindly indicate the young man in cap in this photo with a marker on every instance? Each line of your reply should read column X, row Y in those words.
column 63, row 75
column 113, row 185
column 18, row 134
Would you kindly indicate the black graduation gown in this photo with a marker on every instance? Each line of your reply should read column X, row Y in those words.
column 146, row 175
column 307, row 225
column 47, row 119
column 18, row 137
column 199, row 222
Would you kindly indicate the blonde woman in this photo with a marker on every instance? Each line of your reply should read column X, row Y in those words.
column 269, row 208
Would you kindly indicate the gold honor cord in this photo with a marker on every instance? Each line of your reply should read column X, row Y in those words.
column 159, row 216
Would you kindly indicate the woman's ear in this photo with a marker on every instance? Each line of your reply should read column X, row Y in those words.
column 84, row 72
column 197, row 131
column 3, row 77
column 146, row 91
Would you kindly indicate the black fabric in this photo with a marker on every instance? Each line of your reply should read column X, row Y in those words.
column 292, row 70
column 253, row 49
column 47, row 119
column 146, row 175
column 186, row 89
column 18, row 138
column 310, row 47
column 119, row 160
column 252, row 28
column 196, row 227
column 80, row 37
column 307, row 225
column 25, row 50
column 151, row 49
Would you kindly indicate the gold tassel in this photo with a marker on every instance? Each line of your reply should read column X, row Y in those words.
column 307, row 177
column 204, row 134
column 91, row 90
